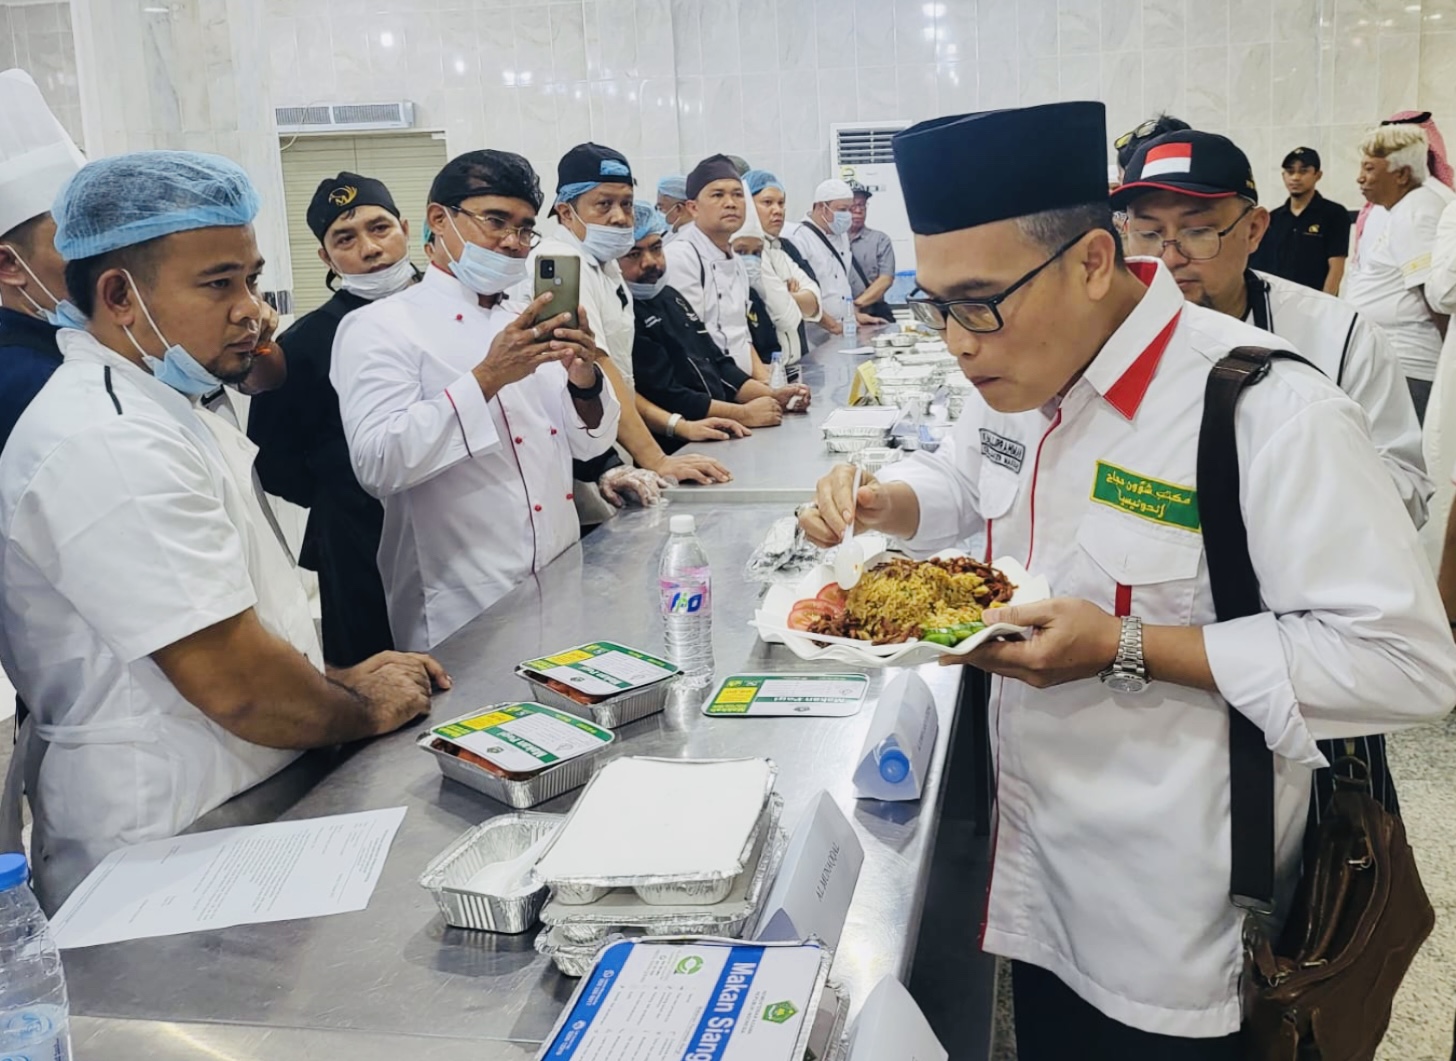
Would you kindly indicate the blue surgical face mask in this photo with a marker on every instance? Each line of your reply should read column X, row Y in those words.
column 64, row 315
column 176, row 367
column 606, row 243
column 484, row 271
column 841, row 222
column 643, row 292
column 753, row 265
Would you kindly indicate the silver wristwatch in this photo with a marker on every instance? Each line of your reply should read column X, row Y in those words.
column 1129, row 672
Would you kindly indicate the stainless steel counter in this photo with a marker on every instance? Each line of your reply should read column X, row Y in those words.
column 393, row 979
column 783, row 463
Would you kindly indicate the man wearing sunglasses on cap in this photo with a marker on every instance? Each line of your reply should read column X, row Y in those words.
column 1077, row 457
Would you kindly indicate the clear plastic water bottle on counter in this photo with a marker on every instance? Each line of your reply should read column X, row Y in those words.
column 893, row 763
column 35, row 1014
column 686, row 587
column 778, row 376
column 851, row 322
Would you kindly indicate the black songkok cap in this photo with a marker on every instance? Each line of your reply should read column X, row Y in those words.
column 972, row 169
column 713, row 168
column 339, row 195
column 486, row 172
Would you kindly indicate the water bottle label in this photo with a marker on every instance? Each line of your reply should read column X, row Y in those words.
column 683, row 597
column 35, row 1035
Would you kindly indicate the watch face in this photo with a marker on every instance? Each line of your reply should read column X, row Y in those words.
column 1125, row 683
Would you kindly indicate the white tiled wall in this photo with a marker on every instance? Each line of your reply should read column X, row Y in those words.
column 667, row 81
column 37, row 38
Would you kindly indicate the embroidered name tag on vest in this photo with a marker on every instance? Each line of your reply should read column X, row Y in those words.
column 998, row 449
column 1151, row 499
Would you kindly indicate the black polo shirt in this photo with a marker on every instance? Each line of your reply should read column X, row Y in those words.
column 1300, row 248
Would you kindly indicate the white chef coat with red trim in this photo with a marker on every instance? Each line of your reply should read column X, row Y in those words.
column 1112, row 843
column 477, row 494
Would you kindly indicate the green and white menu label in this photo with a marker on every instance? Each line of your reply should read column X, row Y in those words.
column 603, row 668
column 522, row 738
column 826, row 695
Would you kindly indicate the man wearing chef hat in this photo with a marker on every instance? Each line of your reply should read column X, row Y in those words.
column 36, row 158
column 1111, row 875
column 149, row 615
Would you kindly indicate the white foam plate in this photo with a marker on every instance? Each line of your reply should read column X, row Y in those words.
column 772, row 619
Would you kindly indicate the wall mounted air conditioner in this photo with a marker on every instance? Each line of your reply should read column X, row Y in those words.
column 861, row 152
column 345, row 117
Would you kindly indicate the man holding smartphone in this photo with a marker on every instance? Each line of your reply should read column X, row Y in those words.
column 471, row 456
column 591, row 222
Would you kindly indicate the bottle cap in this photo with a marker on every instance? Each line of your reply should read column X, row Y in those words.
column 683, row 524
column 13, row 870
column 894, row 765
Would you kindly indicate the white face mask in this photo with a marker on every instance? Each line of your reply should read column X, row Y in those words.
column 753, row 266
column 380, row 284
column 840, row 223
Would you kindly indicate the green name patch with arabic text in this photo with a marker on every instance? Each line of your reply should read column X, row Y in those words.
column 1152, row 499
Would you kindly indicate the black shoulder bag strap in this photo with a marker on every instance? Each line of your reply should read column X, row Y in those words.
column 825, row 240
column 1235, row 595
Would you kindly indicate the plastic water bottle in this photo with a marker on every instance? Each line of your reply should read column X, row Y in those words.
column 686, row 586
column 851, row 322
column 894, row 764
column 35, row 1015
column 778, row 376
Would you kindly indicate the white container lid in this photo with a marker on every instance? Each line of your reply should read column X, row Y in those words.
column 682, row 524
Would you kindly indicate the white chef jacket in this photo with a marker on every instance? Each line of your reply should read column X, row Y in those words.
column 128, row 521
column 1357, row 357
column 1384, row 281
column 604, row 294
column 1111, row 856
column 716, row 286
column 831, row 267
column 778, row 270
column 477, row 494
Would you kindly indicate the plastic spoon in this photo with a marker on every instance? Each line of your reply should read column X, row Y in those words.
column 511, row 876
column 849, row 559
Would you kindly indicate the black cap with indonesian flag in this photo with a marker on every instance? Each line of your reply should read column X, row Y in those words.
column 1188, row 163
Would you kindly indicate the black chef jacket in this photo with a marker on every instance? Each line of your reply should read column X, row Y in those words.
column 675, row 362
column 1300, row 248
column 28, row 356
column 304, row 458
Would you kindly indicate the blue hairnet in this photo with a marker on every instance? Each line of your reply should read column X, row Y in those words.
column 646, row 220
column 759, row 179
column 570, row 192
column 128, row 199
column 674, row 187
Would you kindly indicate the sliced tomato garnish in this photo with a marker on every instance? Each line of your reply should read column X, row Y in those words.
column 834, row 594
column 806, row 612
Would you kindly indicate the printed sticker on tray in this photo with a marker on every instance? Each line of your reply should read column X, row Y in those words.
column 602, row 668
column 522, row 738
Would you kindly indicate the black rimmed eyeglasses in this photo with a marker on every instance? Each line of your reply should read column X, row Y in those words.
column 978, row 314
column 498, row 229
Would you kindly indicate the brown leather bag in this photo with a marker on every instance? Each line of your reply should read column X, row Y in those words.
column 1323, row 990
